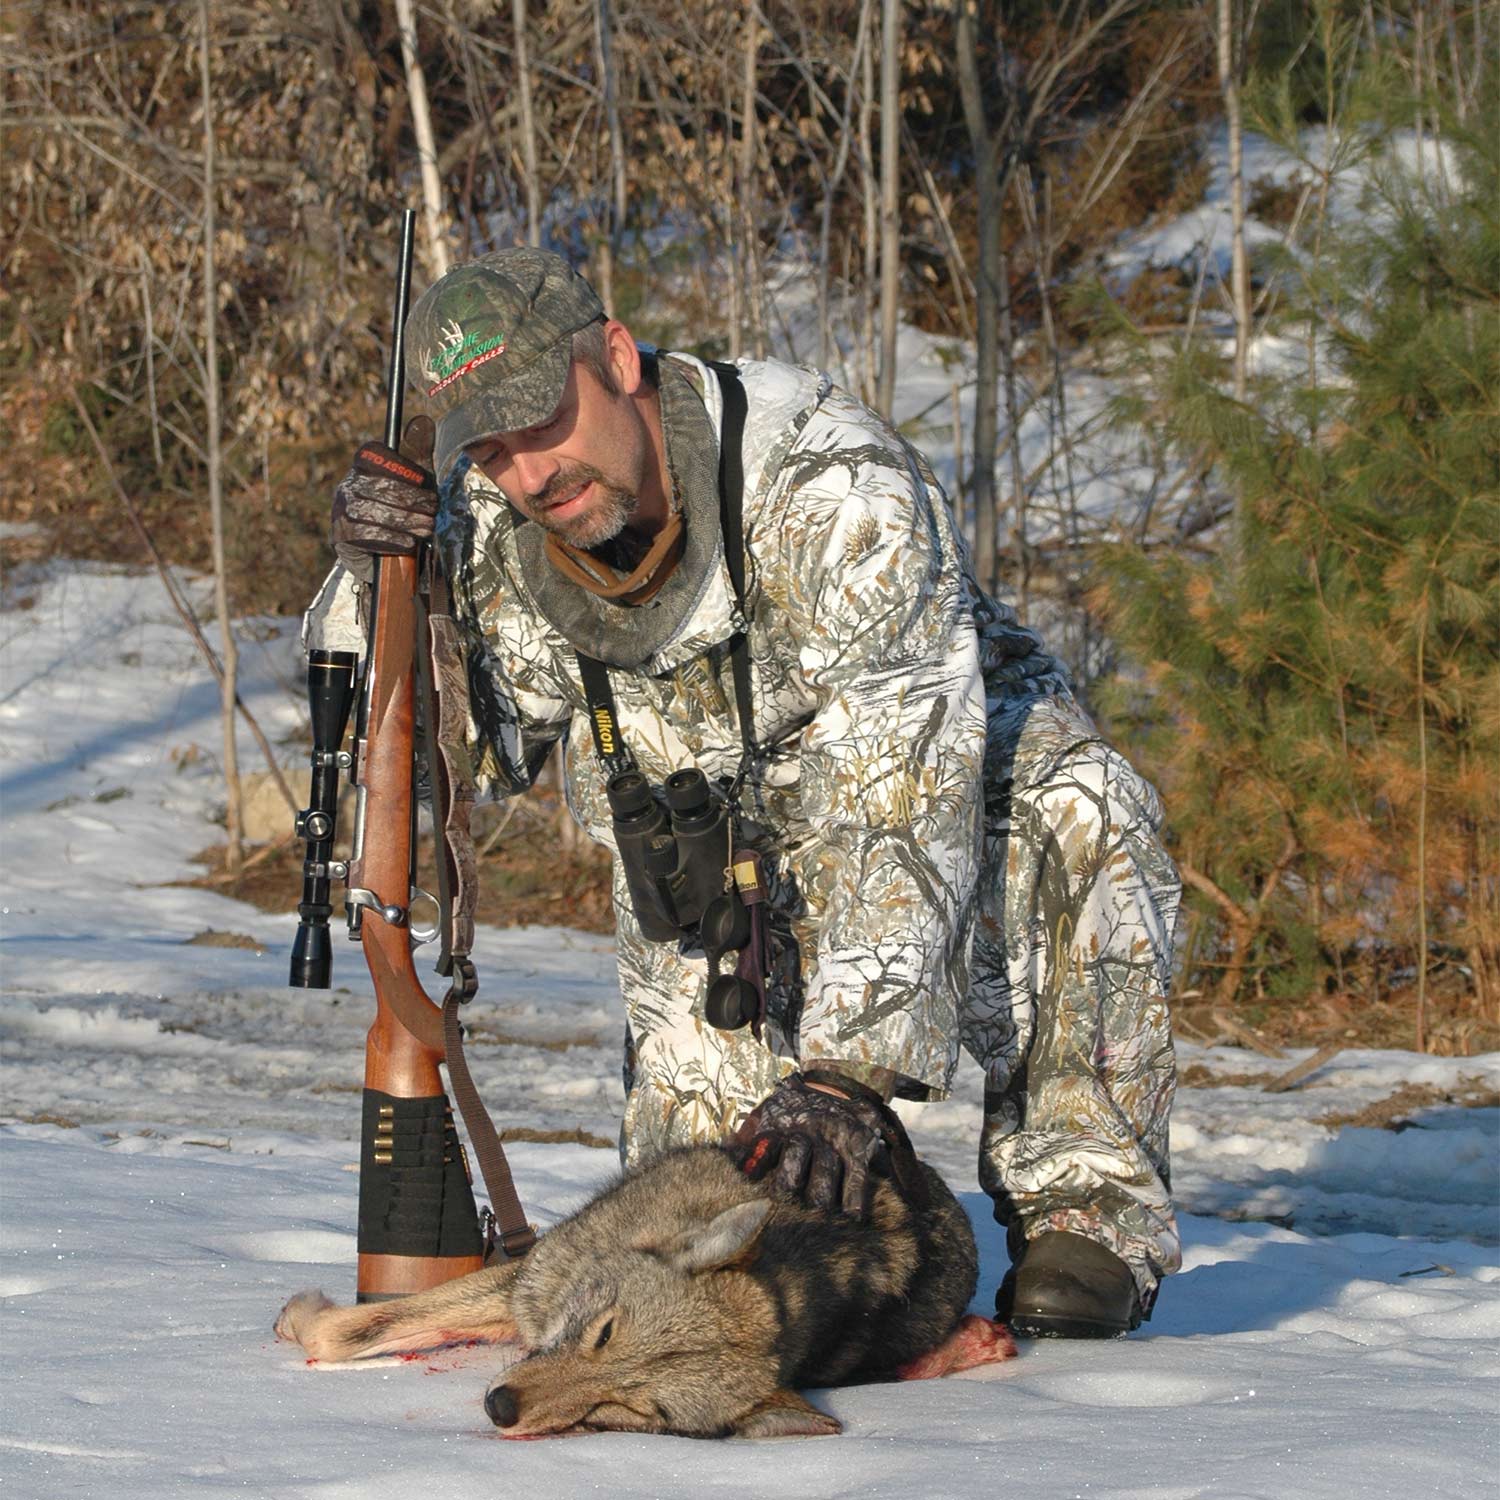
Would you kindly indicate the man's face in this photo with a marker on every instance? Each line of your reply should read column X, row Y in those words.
column 579, row 473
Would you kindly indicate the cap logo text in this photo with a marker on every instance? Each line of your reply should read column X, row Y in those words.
column 461, row 353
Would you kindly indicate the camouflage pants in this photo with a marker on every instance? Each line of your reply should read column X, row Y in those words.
column 1066, row 1009
column 1067, row 1013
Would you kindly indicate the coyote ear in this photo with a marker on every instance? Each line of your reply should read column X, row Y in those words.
column 786, row 1414
column 723, row 1239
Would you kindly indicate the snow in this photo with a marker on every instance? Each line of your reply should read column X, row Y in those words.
column 178, row 1144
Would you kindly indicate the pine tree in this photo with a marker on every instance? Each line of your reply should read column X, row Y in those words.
column 1321, row 699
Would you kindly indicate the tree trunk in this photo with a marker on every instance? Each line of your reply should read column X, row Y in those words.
column 871, row 235
column 1013, row 427
column 609, row 248
column 890, row 223
column 986, row 297
column 421, row 121
column 1422, row 829
column 748, row 195
column 1039, row 228
column 833, row 179
column 1239, row 272
column 234, row 818
column 528, row 125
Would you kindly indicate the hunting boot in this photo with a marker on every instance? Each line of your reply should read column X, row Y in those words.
column 1068, row 1287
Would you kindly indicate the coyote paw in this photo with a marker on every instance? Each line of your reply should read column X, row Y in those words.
column 975, row 1341
column 296, row 1320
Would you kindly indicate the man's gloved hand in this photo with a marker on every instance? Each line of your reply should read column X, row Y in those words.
column 824, row 1148
column 384, row 506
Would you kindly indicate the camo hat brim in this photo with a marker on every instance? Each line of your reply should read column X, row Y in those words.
column 489, row 345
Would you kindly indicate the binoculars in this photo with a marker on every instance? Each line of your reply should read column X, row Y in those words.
column 676, row 845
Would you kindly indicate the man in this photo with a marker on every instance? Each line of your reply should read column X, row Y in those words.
column 949, row 853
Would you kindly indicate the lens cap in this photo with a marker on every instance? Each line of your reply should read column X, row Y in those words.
column 730, row 1002
column 725, row 924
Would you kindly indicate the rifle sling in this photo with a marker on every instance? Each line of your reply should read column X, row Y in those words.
column 516, row 1235
column 443, row 689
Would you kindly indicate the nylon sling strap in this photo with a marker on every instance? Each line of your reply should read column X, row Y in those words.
column 516, row 1236
column 613, row 754
column 443, row 687
column 732, row 523
column 608, row 746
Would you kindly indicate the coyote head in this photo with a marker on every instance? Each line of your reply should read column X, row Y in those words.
column 662, row 1333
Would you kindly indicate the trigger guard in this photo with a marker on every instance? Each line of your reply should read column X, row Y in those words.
column 422, row 933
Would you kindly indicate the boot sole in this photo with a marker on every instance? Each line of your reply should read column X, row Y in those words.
column 1046, row 1326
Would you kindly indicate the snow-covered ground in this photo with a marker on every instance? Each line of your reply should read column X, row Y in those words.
column 179, row 1136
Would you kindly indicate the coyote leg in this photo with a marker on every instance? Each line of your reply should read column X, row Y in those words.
column 975, row 1341
column 476, row 1306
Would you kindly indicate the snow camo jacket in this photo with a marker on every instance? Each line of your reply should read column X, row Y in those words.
column 889, row 695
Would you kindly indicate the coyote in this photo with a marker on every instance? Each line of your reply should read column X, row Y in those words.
column 687, row 1299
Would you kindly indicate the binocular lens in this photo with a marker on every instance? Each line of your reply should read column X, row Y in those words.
column 730, row 1002
column 629, row 795
column 687, row 793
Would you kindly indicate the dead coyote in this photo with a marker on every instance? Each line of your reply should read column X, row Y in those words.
column 686, row 1299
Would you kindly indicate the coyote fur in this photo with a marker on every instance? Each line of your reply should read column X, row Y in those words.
column 687, row 1299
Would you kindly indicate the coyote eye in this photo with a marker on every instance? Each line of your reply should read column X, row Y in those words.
column 604, row 1334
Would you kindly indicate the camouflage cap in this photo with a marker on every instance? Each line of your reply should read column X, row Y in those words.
column 489, row 344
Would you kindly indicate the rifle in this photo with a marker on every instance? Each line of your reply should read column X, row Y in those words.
column 417, row 1221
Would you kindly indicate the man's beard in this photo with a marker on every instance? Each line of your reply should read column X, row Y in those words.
column 610, row 511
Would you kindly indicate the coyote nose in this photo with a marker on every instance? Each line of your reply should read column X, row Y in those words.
column 501, row 1404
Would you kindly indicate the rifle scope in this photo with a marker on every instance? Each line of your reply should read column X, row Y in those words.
column 330, row 693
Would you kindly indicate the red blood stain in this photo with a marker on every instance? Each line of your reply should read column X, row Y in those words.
column 975, row 1341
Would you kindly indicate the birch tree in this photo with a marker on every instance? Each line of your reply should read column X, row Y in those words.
column 1239, row 273
column 421, row 120
column 229, row 681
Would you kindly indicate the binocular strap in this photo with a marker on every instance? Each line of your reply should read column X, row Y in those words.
column 755, row 954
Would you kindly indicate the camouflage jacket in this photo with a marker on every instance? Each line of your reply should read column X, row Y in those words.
column 879, row 674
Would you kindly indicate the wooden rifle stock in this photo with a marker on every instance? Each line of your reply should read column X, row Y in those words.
column 417, row 1222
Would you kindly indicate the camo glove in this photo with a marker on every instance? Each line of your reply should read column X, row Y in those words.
column 384, row 506
column 825, row 1148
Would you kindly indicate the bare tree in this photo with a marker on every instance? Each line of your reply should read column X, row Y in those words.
column 749, row 184
column 1006, row 106
column 842, row 144
column 528, row 124
column 870, row 199
column 986, row 145
column 890, row 205
column 421, row 119
column 228, row 682
column 609, row 245
column 1239, row 272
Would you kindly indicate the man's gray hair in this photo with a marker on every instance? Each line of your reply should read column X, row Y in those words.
column 591, row 351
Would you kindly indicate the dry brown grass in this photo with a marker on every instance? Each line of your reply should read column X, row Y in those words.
column 1394, row 1112
column 525, row 880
